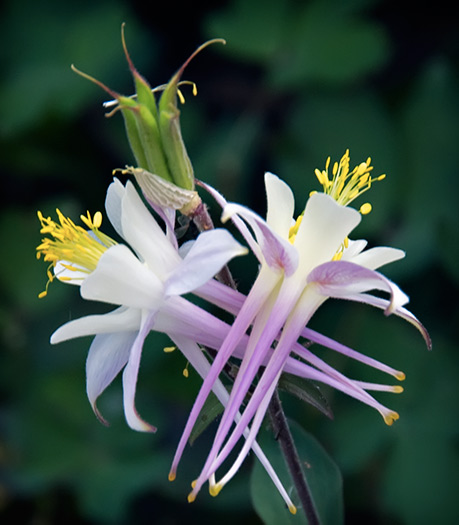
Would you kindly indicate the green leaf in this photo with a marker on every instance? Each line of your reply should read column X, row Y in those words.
column 322, row 475
column 211, row 410
column 306, row 391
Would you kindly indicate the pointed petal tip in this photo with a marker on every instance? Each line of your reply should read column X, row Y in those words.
column 99, row 416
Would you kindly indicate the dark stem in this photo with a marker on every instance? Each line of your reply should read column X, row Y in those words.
column 203, row 221
column 284, row 437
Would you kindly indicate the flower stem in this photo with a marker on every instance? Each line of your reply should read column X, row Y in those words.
column 203, row 222
column 284, row 437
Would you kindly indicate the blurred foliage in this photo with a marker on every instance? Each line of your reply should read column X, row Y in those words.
column 296, row 82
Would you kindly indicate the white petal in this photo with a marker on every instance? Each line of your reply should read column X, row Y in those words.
column 107, row 356
column 281, row 205
column 353, row 249
column 377, row 257
column 324, row 227
column 113, row 200
column 120, row 278
column 119, row 320
column 67, row 276
column 206, row 257
column 145, row 236
column 278, row 252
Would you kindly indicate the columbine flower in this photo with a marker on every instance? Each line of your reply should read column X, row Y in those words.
column 147, row 287
column 303, row 263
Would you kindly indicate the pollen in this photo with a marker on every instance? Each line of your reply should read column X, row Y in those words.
column 76, row 250
column 345, row 185
column 292, row 508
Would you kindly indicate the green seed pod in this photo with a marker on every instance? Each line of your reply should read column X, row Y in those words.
column 169, row 126
column 132, row 132
column 144, row 92
column 171, row 137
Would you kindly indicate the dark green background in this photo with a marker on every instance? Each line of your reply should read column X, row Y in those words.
column 297, row 81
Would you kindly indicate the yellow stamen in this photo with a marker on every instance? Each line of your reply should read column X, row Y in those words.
column 180, row 96
column 171, row 476
column 397, row 389
column 365, row 209
column 75, row 248
column 391, row 417
column 191, row 497
column 400, row 376
column 345, row 185
column 185, row 371
column 214, row 490
column 292, row 508
column 169, row 349
column 294, row 229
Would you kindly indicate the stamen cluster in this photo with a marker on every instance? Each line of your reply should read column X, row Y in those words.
column 69, row 242
column 344, row 186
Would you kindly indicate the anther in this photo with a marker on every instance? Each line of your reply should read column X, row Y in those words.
column 365, row 209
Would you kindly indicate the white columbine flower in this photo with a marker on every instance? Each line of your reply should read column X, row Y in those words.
column 145, row 283
column 302, row 263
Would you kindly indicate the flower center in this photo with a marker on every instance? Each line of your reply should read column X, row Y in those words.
column 76, row 249
column 344, row 185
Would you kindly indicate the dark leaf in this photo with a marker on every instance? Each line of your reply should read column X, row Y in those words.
column 306, row 391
